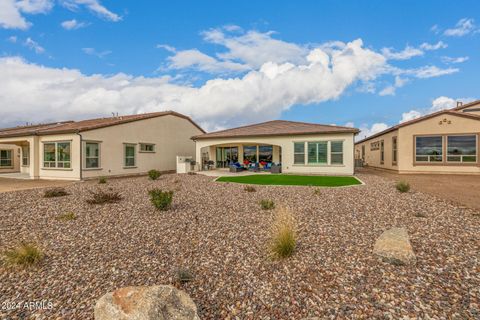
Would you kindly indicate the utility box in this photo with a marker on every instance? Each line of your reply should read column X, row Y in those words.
column 184, row 164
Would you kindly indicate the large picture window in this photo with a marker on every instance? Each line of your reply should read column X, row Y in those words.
column 394, row 150
column 462, row 148
column 250, row 153
column 57, row 155
column 265, row 153
column 92, row 155
column 429, row 149
column 382, row 152
column 317, row 152
column 130, row 160
column 336, row 152
column 299, row 153
column 6, row 158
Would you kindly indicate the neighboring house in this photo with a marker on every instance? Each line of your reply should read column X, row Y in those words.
column 300, row 147
column 9, row 158
column 114, row 146
column 447, row 141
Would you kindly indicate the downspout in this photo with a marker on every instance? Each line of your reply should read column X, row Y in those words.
column 81, row 155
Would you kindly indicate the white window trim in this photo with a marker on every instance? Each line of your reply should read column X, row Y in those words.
column 11, row 159
column 428, row 156
column 295, row 153
column 85, row 142
column 342, row 153
column 56, row 156
column 134, row 145
column 329, row 157
column 146, row 151
column 27, row 157
column 461, row 156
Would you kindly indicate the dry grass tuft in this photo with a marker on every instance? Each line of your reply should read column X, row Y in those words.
column 249, row 189
column 403, row 186
column 267, row 204
column 55, row 192
column 102, row 180
column 184, row 275
column 101, row 197
column 283, row 234
column 25, row 254
column 68, row 216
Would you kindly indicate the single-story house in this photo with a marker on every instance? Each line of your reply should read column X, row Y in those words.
column 114, row 146
column 446, row 141
column 9, row 158
column 306, row 148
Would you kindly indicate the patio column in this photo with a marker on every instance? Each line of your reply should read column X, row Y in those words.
column 240, row 153
column 35, row 158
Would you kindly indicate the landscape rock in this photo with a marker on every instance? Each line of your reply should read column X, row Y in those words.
column 146, row 303
column 394, row 246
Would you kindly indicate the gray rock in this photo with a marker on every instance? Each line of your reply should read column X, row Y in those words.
column 146, row 303
column 394, row 246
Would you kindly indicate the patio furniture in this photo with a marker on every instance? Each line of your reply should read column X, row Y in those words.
column 236, row 167
column 276, row 168
column 267, row 166
column 253, row 167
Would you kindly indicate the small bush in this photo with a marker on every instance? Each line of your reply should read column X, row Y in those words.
column 191, row 173
column 420, row 214
column 102, row 180
column 55, row 192
column 101, row 197
column 154, row 174
column 162, row 200
column 25, row 254
column 184, row 275
column 283, row 234
column 317, row 191
column 267, row 204
column 403, row 186
column 67, row 216
column 249, row 189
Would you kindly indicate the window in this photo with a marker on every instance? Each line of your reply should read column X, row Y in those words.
column 265, row 153
column 57, row 155
column 25, row 156
column 462, row 148
column 317, row 152
column 394, row 150
column 250, row 153
column 382, row 152
column 336, row 152
column 92, row 155
column 130, row 155
column 429, row 149
column 6, row 158
column 299, row 152
column 363, row 152
column 147, row 147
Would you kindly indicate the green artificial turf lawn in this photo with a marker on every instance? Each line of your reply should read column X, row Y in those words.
column 293, row 180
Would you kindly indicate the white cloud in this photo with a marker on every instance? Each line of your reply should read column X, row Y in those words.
column 435, row 29
column 94, row 6
column 436, row 46
column 426, row 72
column 387, row 91
column 258, row 95
column 12, row 39
column 166, row 47
column 93, row 52
column 202, row 62
column 34, row 6
column 455, row 60
column 407, row 53
column 33, row 45
column 438, row 104
column 366, row 131
column 73, row 24
column 11, row 17
column 463, row 27
column 391, row 89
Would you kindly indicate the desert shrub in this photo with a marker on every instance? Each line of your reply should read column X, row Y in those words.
column 249, row 189
column 162, row 200
column 25, row 254
column 420, row 214
column 283, row 234
column 191, row 173
column 267, row 204
column 67, row 216
column 102, row 180
column 184, row 275
column 55, row 192
column 403, row 186
column 101, row 197
column 154, row 174
column 317, row 191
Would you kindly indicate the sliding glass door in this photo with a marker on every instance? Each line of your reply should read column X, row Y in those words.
column 226, row 155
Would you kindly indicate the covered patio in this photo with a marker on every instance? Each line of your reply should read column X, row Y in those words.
column 23, row 166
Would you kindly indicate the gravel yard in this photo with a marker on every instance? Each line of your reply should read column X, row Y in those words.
column 219, row 232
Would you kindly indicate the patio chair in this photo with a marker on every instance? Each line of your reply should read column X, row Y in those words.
column 236, row 167
column 267, row 166
column 253, row 167
column 276, row 168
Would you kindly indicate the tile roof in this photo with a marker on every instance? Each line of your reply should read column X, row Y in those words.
column 276, row 128
column 84, row 125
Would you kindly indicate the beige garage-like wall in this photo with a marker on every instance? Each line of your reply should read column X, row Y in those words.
column 373, row 149
column 170, row 134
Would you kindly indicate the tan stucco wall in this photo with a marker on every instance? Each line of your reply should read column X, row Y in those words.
column 372, row 158
column 170, row 134
column 286, row 143
column 457, row 125
column 450, row 124
column 472, row 109
column 15, row 158
column 72, row 173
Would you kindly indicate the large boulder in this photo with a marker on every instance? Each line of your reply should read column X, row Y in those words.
column 394, row 246
column 146, row 303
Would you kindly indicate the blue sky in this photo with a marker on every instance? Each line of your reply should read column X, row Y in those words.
column 225, row 63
